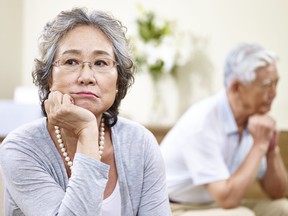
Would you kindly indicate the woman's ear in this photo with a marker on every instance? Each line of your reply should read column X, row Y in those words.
column 117, row 86
column 50, row 82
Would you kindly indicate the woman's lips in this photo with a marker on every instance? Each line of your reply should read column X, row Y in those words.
column 86, row 94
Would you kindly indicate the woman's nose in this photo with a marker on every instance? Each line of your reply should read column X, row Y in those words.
column 87, row 75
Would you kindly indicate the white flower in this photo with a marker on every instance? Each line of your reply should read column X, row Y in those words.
column 159, row 46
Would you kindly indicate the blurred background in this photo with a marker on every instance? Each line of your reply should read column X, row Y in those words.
column 205, row 29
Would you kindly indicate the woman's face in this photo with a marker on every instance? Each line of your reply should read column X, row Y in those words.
column 84, row 70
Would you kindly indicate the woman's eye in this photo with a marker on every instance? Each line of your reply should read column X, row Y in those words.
column 71, row 62
column 100, row 63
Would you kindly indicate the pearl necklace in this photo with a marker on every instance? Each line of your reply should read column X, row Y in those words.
column 63, row 149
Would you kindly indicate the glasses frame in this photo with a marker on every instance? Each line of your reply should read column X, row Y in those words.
column 56, row 63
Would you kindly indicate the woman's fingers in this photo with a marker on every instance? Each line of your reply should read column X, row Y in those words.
column 67, row 99
column 56, row 98
column 53, row 106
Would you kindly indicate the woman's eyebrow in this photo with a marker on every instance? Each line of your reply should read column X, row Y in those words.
column 78, row 52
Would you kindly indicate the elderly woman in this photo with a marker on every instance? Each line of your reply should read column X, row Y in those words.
column 81, row 158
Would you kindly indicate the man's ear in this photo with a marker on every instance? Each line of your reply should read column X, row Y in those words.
column 235, row 86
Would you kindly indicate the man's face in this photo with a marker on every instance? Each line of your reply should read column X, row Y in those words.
column 257, row 96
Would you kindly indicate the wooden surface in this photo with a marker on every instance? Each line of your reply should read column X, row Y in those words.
column 255, row 191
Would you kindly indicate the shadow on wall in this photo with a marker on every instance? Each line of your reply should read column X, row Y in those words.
column 195, row 78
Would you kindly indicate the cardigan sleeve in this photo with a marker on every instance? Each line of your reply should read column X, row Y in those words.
column 30, row 185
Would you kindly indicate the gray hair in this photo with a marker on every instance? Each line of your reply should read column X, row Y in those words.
column 65, row 22
column 243, row 61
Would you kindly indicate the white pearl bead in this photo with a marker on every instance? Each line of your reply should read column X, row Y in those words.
column 63, row 149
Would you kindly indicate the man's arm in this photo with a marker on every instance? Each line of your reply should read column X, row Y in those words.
column 275, row 181
column 228, row 193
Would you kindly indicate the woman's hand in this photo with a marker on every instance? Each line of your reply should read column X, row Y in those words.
column 62, row 112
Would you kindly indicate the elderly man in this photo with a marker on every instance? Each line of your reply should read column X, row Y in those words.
column 223, row 143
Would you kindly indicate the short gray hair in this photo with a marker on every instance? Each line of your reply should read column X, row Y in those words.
column 243, row 61
column 65, row 22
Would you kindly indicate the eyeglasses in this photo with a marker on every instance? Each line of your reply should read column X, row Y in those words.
column 100, row 65
column 268, row 84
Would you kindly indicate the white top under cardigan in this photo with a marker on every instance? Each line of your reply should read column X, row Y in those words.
column 112, row 205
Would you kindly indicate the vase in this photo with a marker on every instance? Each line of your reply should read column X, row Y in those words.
column 163, row 105
column 158, row 107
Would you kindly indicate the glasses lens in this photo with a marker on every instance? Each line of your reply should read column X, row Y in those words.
column 103, row 64
column 269, row 83
column 70, row 64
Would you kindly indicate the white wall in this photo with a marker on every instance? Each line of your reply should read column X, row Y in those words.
column 219, row 24
column 11, row 46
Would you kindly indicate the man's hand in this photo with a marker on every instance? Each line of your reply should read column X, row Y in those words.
column 262, row 129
